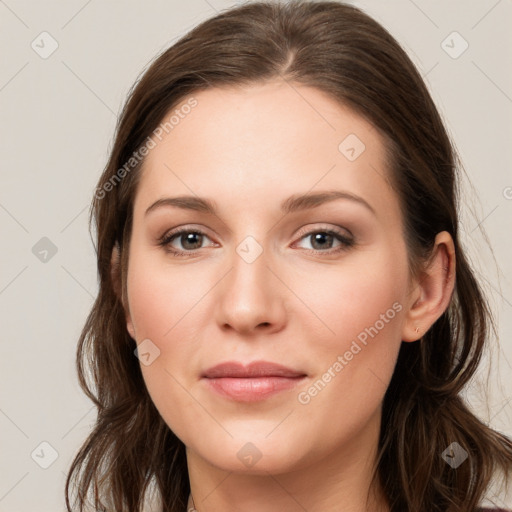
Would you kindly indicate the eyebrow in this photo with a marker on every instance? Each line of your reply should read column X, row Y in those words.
column 292, row 204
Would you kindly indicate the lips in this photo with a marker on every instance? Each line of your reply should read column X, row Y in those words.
column 256, row 381
column 255, row 369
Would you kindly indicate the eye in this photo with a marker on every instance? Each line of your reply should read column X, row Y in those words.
column 326, row 241
column 190, row 240
column 323, row 240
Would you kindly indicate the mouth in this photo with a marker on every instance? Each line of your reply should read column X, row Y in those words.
column 257, row 381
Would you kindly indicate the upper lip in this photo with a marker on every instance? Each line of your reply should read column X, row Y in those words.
column 254, row 369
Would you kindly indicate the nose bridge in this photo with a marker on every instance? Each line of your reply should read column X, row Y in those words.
column 249, row 276
column 249, row 296
column 250, row 265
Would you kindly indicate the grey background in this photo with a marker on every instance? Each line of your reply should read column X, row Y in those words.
column 57, row 122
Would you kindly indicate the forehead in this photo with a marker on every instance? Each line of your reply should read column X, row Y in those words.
column 265, row 140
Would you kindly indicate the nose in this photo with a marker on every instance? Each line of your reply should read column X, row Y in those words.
column 250, row 298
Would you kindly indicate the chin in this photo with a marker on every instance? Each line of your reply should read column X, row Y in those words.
column 252, row 455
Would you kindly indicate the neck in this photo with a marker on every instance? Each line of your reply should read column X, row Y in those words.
column 340, row 480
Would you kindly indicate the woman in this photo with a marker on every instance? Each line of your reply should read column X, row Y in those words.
column 286, row 317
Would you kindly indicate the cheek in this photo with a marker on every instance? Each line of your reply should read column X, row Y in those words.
column 161, row 306
column 354, row 363
column 362, row 311
column 352, row 301
column 160, row 298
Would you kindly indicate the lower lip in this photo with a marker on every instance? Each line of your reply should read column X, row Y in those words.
column 252, row 389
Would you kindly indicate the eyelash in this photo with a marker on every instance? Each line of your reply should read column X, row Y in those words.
column 167, row 238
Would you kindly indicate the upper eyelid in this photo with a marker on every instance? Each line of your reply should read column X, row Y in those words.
column 183, row 229
column 303, row 230
column 337, row 229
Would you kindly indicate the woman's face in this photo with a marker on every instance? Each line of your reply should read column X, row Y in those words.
column 302, row 264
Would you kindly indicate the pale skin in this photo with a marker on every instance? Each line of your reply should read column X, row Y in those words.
column 299, row 303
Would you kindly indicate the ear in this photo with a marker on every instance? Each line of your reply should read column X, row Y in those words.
column 115, row 273
column 432, row 290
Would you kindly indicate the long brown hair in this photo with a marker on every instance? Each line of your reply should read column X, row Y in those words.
column 341, row 51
